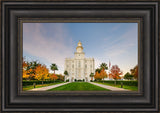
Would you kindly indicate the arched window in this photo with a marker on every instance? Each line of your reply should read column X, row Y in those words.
column 79, row 65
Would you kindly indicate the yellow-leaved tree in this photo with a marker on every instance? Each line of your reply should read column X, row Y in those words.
column 41, row 72
column 97, row 76
column 103, row 74
column 25, row 72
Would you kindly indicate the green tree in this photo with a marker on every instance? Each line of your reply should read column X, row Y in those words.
column 92, row 75
column 103, row 66
column 134, row 72
column 128, row 76
column 66, row 74
column 98, row 70
column 54, row 67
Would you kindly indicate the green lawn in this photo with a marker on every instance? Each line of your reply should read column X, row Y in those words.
column 25, row 88
column 132, row 88
column 79, row 86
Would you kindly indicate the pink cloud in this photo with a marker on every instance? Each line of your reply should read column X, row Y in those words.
column 53, row 49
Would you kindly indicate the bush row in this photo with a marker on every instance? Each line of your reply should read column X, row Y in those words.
column 128, row 83
column 78, row 80
column 26, row 83
column 67, row 80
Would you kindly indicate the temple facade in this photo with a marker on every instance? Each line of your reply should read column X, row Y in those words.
column 79, row 67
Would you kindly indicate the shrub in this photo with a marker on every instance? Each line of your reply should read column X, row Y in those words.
column 128, row 76
column 26, row 83
column 118, row 82
column 80, row 80
column 67, row 80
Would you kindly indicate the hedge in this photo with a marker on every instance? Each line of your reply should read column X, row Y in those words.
column 26, row 83
column 128, row 83
column 67, row 80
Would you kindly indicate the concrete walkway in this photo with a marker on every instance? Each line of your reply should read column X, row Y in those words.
column 48, row 87
column 109, row 87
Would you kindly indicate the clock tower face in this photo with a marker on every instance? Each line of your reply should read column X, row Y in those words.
column 79, row 47
column 79, row 50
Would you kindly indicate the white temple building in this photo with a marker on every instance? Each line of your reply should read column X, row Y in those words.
column 79, row 67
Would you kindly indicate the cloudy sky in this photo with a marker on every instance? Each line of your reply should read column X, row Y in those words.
column 53, row 42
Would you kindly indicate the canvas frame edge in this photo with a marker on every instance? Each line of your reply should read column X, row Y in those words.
column 4, row 105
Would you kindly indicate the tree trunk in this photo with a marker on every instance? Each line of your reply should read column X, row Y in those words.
column 115, row 82
column 54, row 71
column 64, row 78
column 121, row 84
column 34, row 85
column 42, row 82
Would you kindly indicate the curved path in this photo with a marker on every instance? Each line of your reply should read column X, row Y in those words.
column 109, row 87
column 57, row 85
column 48, row 87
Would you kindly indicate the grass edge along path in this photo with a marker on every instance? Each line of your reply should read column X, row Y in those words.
column 79, row 86
column 29, row 87
column 131, row 88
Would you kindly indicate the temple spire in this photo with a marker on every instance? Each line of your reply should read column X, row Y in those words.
column 79, row 43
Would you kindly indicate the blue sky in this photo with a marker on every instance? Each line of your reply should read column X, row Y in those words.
column 53, row 42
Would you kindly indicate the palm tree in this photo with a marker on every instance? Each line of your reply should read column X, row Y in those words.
column 98, row 70
column 54, row 67
column 92, row 75
column 65, row 73
column 104, row 66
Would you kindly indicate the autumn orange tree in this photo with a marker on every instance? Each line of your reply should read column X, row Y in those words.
column 134, row 72
column 28, row 71
column 25, row 72
column 53, row 77
column 103, row 74
column 34, row 71
column 41, row 72
column 115, row 72
column 97, row 76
